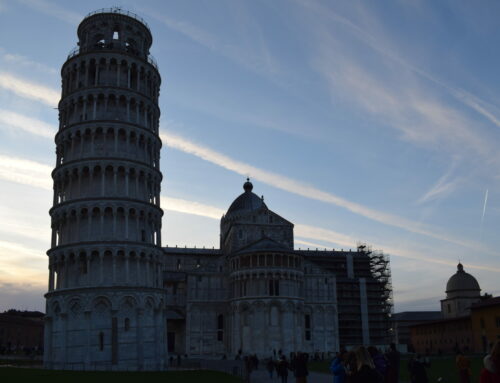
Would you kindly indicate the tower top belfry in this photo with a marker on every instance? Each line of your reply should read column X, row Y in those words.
column 115, row 29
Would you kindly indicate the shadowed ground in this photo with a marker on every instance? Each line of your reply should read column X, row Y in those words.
column 12, row 374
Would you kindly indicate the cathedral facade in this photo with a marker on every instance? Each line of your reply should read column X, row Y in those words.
column 257, row 294
column 117, row 299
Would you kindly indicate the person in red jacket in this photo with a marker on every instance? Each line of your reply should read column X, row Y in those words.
column 491, row 370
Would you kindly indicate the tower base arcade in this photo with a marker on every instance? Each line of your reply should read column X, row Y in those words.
column 105, row 329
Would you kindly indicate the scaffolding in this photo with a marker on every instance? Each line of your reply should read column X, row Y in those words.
column 380, row 298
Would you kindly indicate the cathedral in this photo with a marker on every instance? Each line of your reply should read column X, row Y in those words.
column 257, row 294
column 117, row 299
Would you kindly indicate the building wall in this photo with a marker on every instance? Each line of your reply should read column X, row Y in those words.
column 486, row 327
column 443, row 336
column 17, row 333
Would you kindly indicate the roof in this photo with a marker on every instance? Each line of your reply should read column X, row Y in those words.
column 191, row 251
column 247, row 201
column 486, row 303
column 427, row 323
column 264, row 244
column 417, row 316
column 462, row 281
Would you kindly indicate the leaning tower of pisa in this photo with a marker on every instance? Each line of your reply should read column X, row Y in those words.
column 105, row 306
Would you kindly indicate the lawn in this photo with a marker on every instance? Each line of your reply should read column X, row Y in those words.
column 12, row 374
column 443, row 367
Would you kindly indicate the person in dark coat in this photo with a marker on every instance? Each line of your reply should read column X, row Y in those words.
column 378, row 360
column 337, row 368
column 393, row 359
column 282, row 369
column 270, row 367
column 300, row 368
column 418, row 373
column 365, row 369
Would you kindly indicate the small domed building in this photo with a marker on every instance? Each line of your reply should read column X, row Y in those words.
column 462, row 290
column 469, row 321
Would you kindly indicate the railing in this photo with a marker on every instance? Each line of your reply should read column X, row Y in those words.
column 76, row 51
column 119, row 11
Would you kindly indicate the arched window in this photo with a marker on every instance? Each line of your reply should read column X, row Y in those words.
column 101, row 341
column 220, row 327
column 126, row 324
column 308, row 326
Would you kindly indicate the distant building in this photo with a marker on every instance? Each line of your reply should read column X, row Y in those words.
column 21, row 331
column 404, row 320
column 485, row 318
column 465, row 314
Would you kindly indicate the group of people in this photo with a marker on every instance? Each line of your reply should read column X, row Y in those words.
column 366, row 365
column 297, row 366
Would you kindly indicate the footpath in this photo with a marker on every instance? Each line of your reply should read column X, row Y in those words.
column 262, row 376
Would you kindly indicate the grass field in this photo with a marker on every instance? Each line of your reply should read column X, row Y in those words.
column 12, row 374
column 443, row 367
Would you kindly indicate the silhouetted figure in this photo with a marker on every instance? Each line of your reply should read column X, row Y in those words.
column 365, row 369
column 393, row 358
column 463, row 366
column 491, row 371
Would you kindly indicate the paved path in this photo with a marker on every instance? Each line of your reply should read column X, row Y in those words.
column 262, row 376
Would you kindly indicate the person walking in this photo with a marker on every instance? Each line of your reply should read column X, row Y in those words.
column 491, row 371
column 270, row 367
column 379, row 361
column 300, row 368
column 463, row 365
column 282, row 369
column 418, row 374
column 393, row 359
column 337, row 368
column 365, row 369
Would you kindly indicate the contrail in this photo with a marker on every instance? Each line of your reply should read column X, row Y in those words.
column 484, row 212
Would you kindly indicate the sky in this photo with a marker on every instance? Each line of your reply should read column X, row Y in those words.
column 358, row 121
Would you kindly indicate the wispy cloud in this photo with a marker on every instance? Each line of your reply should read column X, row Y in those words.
column 308, row 232
column 28, row 89
column 26, row 62
column 25, row 172
column 16, row 222
column 19, row 170
column 255, row 58
column 54, row 10
column 379, row 43
column 191, row 207
column 444, row 186
column 9, row 119
column 300, row 188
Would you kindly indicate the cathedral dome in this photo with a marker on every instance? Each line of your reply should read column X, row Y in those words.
column 462, row 281
column 248, row 201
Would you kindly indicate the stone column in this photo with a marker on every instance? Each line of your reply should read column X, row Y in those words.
column 139, row 340
column 364, row 312
column 88, row 334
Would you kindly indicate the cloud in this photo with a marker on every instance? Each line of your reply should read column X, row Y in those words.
column 191, row 207
column 53, row 10
column 255, row 58
column 443, row 187
column 29, row 89
column 25, row 61
column 300, row 188
column 18, row 121
column 379, row 43
column 25, row 172
column 17, row 222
